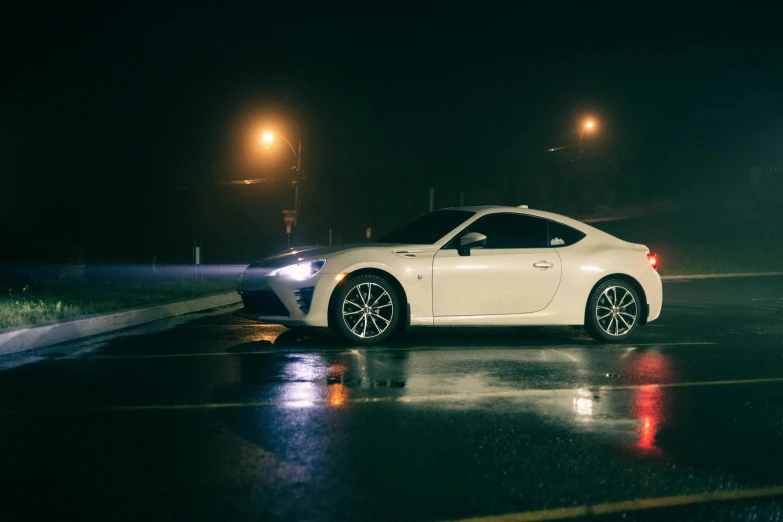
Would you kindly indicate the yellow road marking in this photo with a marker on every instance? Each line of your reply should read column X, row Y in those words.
column 172, row 355
column 719, row 276
column 684, row 384
column 295, row 349
column 607, row 508
column 404, row 398
column 556, row 391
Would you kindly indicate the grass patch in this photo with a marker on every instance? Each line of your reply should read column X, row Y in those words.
column 57, row 300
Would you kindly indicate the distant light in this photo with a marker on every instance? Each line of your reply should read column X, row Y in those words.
column 339, row 277
column 583, row 406
column 589, row 124
column 267, row 138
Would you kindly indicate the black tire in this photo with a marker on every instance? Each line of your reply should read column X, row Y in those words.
column 373, row 326
column 613, row 311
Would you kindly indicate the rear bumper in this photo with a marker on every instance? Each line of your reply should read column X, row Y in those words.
column 286, row 301
column 653, row 290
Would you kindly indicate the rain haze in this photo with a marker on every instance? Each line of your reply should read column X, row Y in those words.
column 399, row 262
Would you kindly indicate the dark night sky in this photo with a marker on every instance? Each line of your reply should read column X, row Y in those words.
column 104, row 113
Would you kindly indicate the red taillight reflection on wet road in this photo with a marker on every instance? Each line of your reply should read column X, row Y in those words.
column 648, row 409
column 649, row 403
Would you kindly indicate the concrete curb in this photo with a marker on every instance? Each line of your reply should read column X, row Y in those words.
column 20, row 338
column 719, row 276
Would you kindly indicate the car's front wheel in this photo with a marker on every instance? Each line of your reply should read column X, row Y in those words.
column 613, row 311
column 365, row 309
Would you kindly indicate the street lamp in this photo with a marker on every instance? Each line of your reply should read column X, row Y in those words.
column 267, row 139
column 588, row 126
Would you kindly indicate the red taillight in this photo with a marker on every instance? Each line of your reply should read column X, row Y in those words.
column 653, row 259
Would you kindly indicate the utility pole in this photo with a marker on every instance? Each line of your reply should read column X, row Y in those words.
column 296, row 203
column 288, row 219
column 300, row 175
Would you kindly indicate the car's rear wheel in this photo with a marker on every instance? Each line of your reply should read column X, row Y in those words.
column 613, row 311
column 365, row 310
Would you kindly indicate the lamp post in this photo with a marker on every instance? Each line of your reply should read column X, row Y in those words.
column 587, row 126
column 267, row 139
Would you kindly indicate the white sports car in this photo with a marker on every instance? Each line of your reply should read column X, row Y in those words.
column 466, row 266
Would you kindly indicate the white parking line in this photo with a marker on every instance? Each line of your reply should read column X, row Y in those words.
column 292, row 349
column 638, row 504
column 404, row 398
column 719, row 276
column 566, row 355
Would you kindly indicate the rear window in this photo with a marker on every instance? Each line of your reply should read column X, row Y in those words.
column 561, row 235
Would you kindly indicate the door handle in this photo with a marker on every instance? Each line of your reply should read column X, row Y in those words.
column 543, row 264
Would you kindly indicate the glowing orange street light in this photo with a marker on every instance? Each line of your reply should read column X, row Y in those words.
column 267, row 139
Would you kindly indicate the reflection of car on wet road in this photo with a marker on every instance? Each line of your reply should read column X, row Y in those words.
column 467, row 266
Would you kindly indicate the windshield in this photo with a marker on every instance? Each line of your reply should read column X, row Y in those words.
column 427, row 228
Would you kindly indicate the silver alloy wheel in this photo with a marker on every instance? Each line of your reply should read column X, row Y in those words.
column 367, row 310
column 616, row 311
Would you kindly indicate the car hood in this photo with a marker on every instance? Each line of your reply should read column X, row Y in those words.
column 311, row 253
column 296, row 255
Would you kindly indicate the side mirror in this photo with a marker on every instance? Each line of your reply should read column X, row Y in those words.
column 471, row 240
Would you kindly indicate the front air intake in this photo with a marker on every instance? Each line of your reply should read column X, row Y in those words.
column 264, row 302
column 304, row 296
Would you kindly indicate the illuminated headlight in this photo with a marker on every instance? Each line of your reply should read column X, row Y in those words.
column 300, row 271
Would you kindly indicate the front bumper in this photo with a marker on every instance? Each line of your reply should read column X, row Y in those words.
column 284, row 300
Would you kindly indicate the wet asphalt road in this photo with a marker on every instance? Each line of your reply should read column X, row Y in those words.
column 211, row 417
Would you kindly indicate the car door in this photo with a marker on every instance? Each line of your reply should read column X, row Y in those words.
column 515, row 273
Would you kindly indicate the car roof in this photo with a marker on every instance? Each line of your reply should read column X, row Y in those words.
column 492, row 209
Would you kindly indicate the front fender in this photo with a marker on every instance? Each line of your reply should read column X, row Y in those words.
column 415, row 277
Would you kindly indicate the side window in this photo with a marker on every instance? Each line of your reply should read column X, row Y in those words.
column 511, row 231
column 561, row 235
